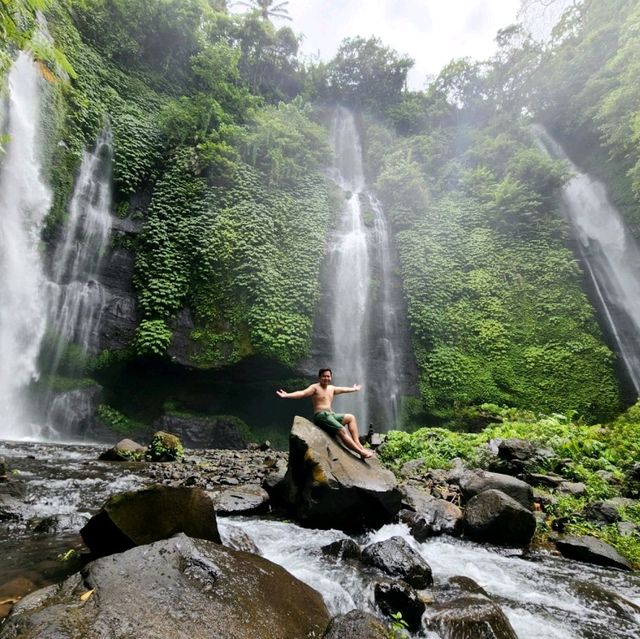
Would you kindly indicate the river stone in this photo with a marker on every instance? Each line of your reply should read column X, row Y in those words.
column 329, row 487
column 395, row 597
column 598, row 598
column 591, row 550
column 342, row 549
column 180, row 588
column 356, row 624
column 124, row 450
column 494, row 517
column 414, row 497
column 516, row 449
column 142, row 517
column 475, row 482
column 436, row 517
column 548, row 480
column 396, row 558
column 235, row 537
column 471, row 616
column 249, row 499
column 574, row 488
column 165, row 447
column 219, row 431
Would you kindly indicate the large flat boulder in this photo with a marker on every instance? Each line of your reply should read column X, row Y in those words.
column 141, row 517
column 473, row 483
column 592, row 550
column 179, row 588
column 329, row 487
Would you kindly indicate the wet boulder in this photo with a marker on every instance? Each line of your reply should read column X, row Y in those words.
column 393, row 597
column 165, row 447
column 473, row 483
column 142, row 517
column 235, row 537
column 327, row 486
column 356, row 624
column 496, row 518
column 591, row 550
column 342, row 549
column 396, row 558
column 124, row 450
column 249, row 499
column 462, row 610
column 181, row 588
column 436, row 517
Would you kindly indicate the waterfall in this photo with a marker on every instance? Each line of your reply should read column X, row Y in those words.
column 610, row 255
column 24, row 202
column 362, row 341
column 75, row 297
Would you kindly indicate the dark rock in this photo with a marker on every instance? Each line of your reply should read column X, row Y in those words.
column 548, row 480
column 414, row 497
column 494, row 517
column 180, row 588
column 396, row 558
column 220, row 431
column 182, row 348
column 413, row 468
column 136, row 518
column 437, row 517
column 575, row 488
column 476, row 482
column 591, row 550
column 631, row 482
column 458, row 586
column 356, row 624
column 610, row 603
column 329, row 487
column 3, row 468
column 626, row 528
column 118, row 322
column 165, row 447
column 519, row 449
column 471, row 616
column 266, row 445
column 342, row 549
column 74, row 413
column 248, row 499
column 235, row 537
column 12, row 509
column 603, row 511
column 395, row 597
column 125, row 450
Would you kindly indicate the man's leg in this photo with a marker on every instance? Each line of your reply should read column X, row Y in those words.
column 350, row 422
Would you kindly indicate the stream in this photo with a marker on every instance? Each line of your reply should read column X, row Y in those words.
column 54, row 488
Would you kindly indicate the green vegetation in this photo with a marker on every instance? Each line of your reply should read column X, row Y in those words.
column 600, row 456
column 220, row 143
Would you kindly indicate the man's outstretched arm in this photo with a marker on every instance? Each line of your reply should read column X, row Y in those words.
column 307, row 392
column 337, row 390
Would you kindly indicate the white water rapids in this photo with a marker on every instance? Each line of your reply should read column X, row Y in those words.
column 544, row 597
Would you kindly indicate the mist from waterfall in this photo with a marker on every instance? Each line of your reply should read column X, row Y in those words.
column 363, row 344
column 610, row 256
column 24, row 202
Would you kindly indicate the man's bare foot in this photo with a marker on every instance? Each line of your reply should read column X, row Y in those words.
column 367, row 454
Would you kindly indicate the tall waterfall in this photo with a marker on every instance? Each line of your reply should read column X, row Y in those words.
column 24, row 202
column 610, row 255
column 361, row 333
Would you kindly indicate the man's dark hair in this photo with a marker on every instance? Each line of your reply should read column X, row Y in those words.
column 324, row 370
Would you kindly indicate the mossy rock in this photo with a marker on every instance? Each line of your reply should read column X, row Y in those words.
column 165, row 447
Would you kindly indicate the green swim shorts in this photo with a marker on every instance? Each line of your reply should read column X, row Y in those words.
column 329, row 421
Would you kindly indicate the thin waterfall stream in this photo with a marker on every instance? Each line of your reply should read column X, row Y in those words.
column 610, row 255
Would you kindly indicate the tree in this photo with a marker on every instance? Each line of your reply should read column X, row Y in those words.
column 366, row 73
column 268, row 9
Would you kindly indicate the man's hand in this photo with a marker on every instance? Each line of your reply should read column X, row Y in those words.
column 357, row 387
column 282, row 393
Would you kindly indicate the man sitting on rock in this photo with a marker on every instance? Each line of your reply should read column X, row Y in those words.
column 322, row 394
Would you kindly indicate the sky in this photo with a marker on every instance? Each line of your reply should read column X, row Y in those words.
column 432, row 32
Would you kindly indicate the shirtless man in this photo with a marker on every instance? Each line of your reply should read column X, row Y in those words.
column 322, row 394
